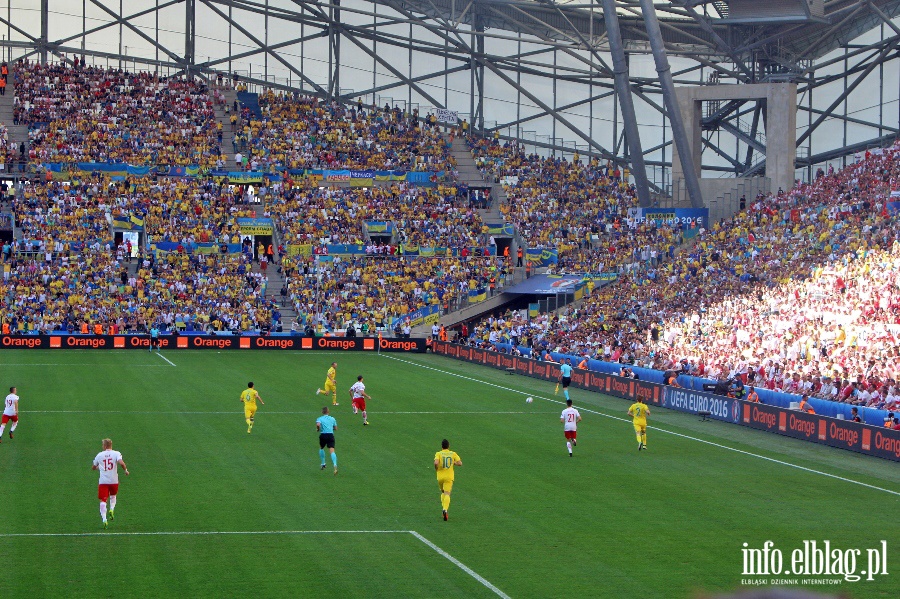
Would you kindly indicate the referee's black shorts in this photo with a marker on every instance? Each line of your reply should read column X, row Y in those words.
column 326, row 440
column 566, row 380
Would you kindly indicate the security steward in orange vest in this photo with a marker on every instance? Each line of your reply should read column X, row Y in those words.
column 805, row 407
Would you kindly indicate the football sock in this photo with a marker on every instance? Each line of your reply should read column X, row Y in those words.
column 566, row 393
column 112, row 502
column 322, row 456
column 364, row 416
column 569, row 446
column 2, row 426
column 445, row 501
column 334, row 459
column 249, row 422
column 103, row 510
column 13, row 427
column 639, row 439
column 644, row 439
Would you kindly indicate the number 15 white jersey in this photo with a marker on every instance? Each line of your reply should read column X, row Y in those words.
column 108, row 463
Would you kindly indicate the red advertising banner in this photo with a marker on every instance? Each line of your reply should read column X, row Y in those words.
column 217, row 342
column 853, row 436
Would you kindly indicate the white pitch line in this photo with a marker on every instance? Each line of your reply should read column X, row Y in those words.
column 165, row 358
column 428, row 543
column 461, row 565
column 94, row 365
column 234, row 412
column 662, row 430
column 199, row 533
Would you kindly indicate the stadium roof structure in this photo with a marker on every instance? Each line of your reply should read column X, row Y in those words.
column 541, row 72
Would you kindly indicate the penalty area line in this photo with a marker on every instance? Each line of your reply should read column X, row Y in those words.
column 460, row 565
column 165, row 358
column 662, row 430
column 211, row 533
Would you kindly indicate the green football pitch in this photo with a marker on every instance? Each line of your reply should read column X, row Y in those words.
column 211, row 511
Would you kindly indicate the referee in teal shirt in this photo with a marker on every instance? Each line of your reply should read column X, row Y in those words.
column 565, row 375
column 326, row 425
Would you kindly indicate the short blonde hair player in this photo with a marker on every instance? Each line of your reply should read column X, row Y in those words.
column 108, row 462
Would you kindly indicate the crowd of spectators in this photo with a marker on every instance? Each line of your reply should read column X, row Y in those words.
column 92, row 291
column 375, row 289
column 63, row 215
column 9, row 154
column 186, row 210
column 307, row 214
column 800, row 292
column 582, row 209
column 90, row 114
column 305, row 132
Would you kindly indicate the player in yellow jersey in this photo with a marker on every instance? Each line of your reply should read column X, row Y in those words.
column 639, row 412
column 444, row 461
column 249, row 398
column 330, row 384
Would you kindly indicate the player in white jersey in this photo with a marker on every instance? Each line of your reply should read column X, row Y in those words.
column 108, row 462
column 358, row 398
column 570, row 419
column 10, row 413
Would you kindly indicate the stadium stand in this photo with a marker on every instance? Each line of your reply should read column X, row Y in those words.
column 98, row 115
column 308, row 133
column 434, row 217
column 580, row 210
column 796, row 293
column 376, row 291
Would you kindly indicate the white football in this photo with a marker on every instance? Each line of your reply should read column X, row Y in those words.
column 529, row 400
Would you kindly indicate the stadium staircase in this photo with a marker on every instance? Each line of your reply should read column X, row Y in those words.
column 17, row 133
column 473, row 177
column 227, row 134
column 276, row 278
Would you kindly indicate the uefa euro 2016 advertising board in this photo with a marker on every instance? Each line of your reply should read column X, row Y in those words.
column 854, row 436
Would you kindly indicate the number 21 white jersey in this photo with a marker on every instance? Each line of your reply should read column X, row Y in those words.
column 570, row 418
column 108, row 463
column 358, row 389
column 10, row 404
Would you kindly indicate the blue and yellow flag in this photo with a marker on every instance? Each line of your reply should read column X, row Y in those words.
column 477, row 295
